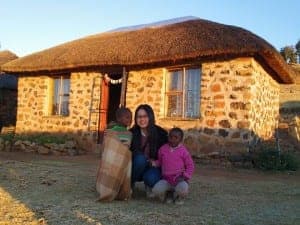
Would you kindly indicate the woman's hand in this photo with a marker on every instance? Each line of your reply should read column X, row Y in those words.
column 152, row 163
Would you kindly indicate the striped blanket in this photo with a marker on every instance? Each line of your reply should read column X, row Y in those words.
column 114, row 173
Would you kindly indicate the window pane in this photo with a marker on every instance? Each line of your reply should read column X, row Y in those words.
column 66, row 87
column 65, row 98
column 192, row 93
column 174, row 106
column 65, row 106
column 61, row 96
column 55, row 108
column 174, row 79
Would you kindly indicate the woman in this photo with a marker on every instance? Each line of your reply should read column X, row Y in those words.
column 147, row 138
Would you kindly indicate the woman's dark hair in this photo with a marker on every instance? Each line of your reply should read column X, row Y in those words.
column 156, row 137
column 149, row 112
column 152, row 133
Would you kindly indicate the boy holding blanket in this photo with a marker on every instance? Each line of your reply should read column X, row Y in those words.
column 113, row 179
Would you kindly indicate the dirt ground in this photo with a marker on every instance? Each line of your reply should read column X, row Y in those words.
column 52, row 190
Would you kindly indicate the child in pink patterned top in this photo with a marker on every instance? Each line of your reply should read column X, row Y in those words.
column 177, row 168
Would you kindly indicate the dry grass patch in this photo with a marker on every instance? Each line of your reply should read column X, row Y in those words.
column 61, row 191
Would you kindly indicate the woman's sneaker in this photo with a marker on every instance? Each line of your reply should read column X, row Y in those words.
column 169, row 197
column 149, row 193
column 179, row 201
column 162, row 197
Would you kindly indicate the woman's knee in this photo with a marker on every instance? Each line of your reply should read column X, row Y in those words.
column 161, row 187
column 139, row 164
column 182, row 189
column 151, row 176
column 139, row 160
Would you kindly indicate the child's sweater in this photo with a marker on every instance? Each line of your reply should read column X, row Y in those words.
column 175, row 162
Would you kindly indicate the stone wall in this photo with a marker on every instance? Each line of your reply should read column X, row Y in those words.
column 33, row 116
column 146, row 86
column 239, row 101
column 265, row 103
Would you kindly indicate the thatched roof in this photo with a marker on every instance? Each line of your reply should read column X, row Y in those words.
column 296, row 68
column 6, row 80
column 6, row 56
column 153, row 46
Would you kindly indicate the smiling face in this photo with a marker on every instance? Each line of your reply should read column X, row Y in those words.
column 142, row 119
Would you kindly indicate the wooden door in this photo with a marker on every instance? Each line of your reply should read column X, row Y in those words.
column 103, row 109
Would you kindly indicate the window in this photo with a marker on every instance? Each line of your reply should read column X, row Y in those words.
column 183, row 92
column 59, row 103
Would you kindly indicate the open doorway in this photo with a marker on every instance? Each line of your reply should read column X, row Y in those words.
column 114, row 97
column 110, row 101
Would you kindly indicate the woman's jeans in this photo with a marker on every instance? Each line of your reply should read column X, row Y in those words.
column 142, row 171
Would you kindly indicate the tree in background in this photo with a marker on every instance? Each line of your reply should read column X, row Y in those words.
column 289, row 54
column 297, row 46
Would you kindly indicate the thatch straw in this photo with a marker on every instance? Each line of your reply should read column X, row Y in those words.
column 6, row 56
column 192, row 40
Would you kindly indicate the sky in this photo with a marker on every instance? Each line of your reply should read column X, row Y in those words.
column 28, row 26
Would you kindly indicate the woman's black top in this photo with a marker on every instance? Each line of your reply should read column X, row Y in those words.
column 156, row 140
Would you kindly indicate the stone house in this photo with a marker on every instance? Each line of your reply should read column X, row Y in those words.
column 8, row 93
column 219, row 83
column 289, row 121
column 290, row 93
